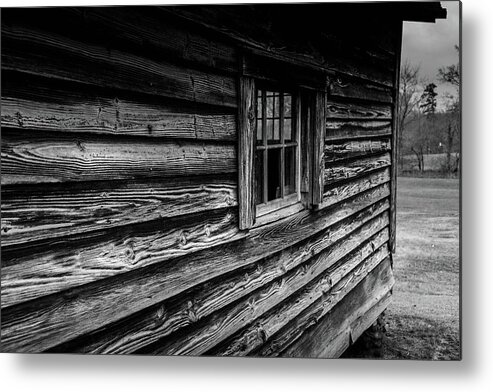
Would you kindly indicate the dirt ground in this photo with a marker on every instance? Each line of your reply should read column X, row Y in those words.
column 423, row 320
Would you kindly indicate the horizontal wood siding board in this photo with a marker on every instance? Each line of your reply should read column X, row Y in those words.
column 143, row 31
column 357, row 129
column 113, row 116
column 321, row 281
column 337, row 193
column 34, row 157
column 85, row 309
column 311, row 331
column 322, row 54
column 337, row 150
column 358, row 111
column 188, row 309
column 62, row 264
column 58, row 57
column 345, row 170
column 358, row 89
column 32, row 214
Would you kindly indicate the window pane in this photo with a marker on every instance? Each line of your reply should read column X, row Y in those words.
column 274, row 174
column 287, row 105
column 275, row 136
column 269, row 104
column 289, row 170
column 276, row 103
column 270, row 129
column 259, row 176
column 259, row 104
column 259, row 131
column 288, row 137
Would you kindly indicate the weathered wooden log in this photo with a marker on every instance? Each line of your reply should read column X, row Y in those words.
column 346, row 130
column 344, row 170
column 32, row 157
column 34, row 213
column 134, row 333
column 85, row 309
column 306, row 335
column 335, row 194
column 69, row 110
column 352, row 111
column 325, row 283
column 338, row 150
column 55, row 56
column 359, row 89
column 329, row 56
column 230, row 320
column 61, row 264
column 145, row 31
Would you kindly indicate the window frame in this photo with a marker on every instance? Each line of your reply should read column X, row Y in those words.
column 268, row 207
column 311, row 138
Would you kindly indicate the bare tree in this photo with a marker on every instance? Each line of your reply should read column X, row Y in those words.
column 421, row 141
column 408, row 101
column 451, row 74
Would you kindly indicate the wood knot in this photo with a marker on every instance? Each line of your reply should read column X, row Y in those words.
column 261, row 334
column 183, row 238
column 207, row 230
column 80, row 146
column 130, row 254
column 161, row 313
column 20, row 121
column 192, row 312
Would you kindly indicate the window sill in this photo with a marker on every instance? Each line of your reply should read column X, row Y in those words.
column 268, row 213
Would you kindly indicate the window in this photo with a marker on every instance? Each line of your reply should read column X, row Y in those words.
column 276, row 151
column 281, row 141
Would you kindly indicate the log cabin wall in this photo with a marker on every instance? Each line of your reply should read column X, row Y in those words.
column 119, row 185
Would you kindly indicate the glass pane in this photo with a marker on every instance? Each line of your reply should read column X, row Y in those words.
column 274, row 174
column 259, row 176
column 276, row 103
column 287, row 105
column 270, row 129
column 259, row 131
column 288, row 136
column 276, row 136
column 289, row 170
column 259, row 104
column 269, row 104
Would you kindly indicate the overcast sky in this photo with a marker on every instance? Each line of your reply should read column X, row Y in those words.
column 431, row 45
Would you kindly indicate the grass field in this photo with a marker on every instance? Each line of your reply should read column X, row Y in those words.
column 423, row 319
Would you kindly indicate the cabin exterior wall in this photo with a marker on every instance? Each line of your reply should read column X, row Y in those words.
column 120, row 229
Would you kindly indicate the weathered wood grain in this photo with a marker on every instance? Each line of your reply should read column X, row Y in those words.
column 337, row 193
column 319, row 118
column 344, row 170
column 32, row 214
column 59, row 57
column 137, row 332
column 343, row 129
column 275, row 40
column 87, row 308
column 62, row 264
column 70, row 111
column 353, row 111
column 353, row 88
column 32, row 157
column 246, row 151
column 139, row 30
column 311, row 332
column 337, row 150
column 323, row 281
